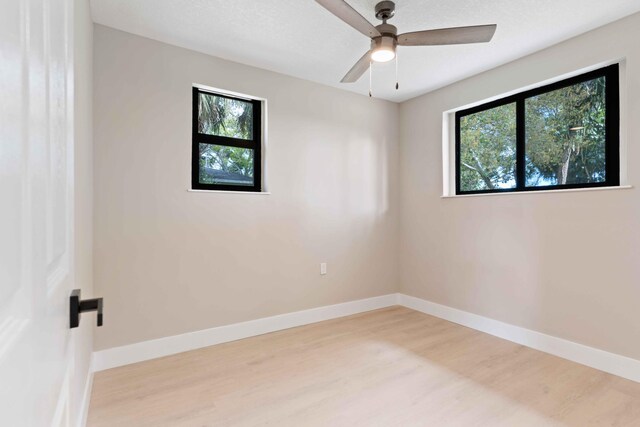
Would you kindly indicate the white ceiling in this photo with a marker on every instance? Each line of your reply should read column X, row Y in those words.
column 302, row 39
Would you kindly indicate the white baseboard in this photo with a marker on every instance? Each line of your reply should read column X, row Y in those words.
column 615, row 364
column 146, row 350
column 86, row 396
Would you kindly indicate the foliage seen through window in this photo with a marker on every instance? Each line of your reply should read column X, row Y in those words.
column 227, row 142
column 563, row 135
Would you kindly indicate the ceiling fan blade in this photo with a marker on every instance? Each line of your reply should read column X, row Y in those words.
column 358, row 69
column 342, row 10
column 444, row 36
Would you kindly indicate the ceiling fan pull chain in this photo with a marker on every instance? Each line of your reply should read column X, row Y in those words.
column 397, row 85
column 370, row 77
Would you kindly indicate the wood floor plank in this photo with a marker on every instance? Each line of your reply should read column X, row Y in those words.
column 389, row 367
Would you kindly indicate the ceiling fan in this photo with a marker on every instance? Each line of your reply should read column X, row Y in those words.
column 385, row 38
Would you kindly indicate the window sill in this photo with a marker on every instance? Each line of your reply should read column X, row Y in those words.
column 257, row 193
column 569, row 190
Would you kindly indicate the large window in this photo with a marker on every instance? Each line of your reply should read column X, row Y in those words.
column 226, row 142
column 564, row 135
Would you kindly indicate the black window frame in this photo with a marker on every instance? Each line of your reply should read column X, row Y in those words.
column 255, row 144
column 612, row 132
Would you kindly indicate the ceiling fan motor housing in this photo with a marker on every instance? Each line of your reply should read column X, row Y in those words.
column 384, row 42
column 388, row 39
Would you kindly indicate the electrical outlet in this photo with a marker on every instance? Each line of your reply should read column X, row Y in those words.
column 323, row 268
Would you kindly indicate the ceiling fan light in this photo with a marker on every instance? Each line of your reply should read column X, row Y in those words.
column 383, row 49
column 383, row 55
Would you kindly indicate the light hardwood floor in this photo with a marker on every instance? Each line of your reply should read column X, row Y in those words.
column 390, row 367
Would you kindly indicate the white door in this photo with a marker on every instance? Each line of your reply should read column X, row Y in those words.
column 36, row 211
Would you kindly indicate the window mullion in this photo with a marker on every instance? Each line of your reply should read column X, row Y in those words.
column 520, row 144
column 225, row 141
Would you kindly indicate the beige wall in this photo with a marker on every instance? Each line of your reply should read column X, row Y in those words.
column 566, row 264
column 170, row 261
column 83, row 197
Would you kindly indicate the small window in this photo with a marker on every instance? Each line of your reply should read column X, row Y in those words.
column 227, row 142
column 560, row 136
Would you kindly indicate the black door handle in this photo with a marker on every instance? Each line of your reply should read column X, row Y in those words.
column 78, row 306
